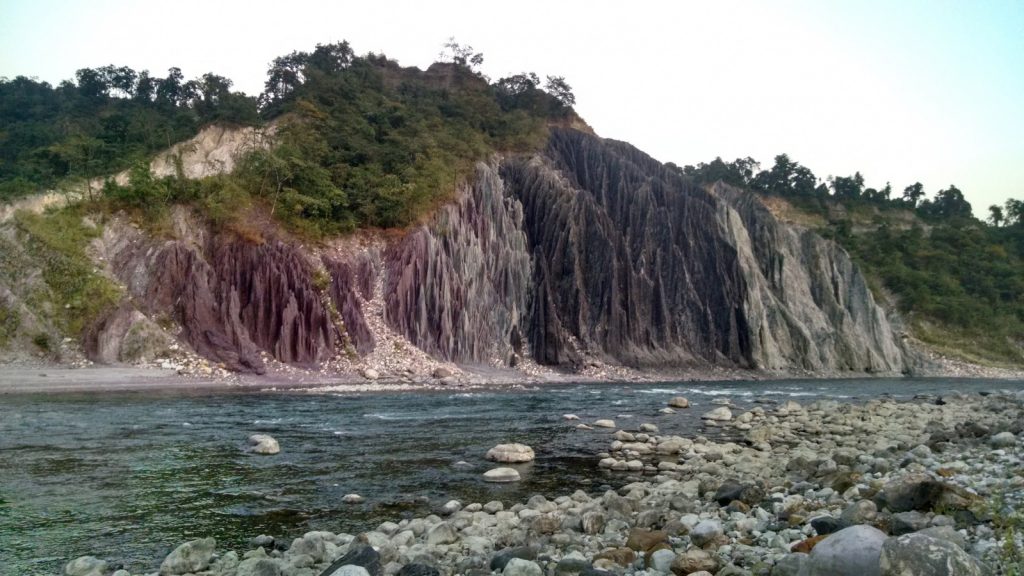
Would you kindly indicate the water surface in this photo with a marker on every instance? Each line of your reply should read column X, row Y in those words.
column 127, row 477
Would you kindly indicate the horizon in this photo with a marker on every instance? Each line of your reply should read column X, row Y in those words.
column 917, row 92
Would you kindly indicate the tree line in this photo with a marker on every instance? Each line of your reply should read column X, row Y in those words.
column 788, row 178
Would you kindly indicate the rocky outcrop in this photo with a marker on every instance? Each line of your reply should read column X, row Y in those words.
column 589, row 251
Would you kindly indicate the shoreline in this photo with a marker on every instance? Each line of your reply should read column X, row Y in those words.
column 51, row 379
column 771, row 498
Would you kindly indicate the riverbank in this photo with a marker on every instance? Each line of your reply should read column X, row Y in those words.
column 881, row 479
column 49, row 378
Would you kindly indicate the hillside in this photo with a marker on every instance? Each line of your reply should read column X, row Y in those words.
column 384, row 219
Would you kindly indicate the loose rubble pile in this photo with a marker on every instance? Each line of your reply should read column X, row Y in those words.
column 920, row 488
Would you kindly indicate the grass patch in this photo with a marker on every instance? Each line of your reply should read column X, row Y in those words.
column 78, row 292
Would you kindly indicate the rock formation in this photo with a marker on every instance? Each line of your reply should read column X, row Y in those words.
column 588, row 251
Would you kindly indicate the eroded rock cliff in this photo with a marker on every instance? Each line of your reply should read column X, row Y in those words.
column 588, row 251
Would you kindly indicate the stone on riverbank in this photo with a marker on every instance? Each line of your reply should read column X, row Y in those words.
column 1003, row 440
column 502, row 475
column 693, row 561
column 352, row 499
column 720, row 414
column 86, row 566
column 190, row 557
column 679, row 402
column 604, row 423
column 852, row 551
column 263, row 444
column 915, row 491
column 510, row 453
column 521, row 567
column 922, row 555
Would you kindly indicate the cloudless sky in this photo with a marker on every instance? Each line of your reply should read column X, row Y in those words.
column 903, row 91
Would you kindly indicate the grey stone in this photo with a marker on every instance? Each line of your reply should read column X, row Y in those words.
column 661, row 560
column 258, row 567
column 501, row 559
column 852, row 551
column 86, row 566
column 191, row 556
column 706, row 531
column 502, row 475
column 915, row 491
column 907, row 522
column 921, row 555
column 720, row 414
column 827, row 525
column 521, row 567
column 947, row 533
column 510, row 453
column 263, row 444
column 791, row 565
column 860, row 512
column 1003, row 440
column 359, row 554
column 443, row 533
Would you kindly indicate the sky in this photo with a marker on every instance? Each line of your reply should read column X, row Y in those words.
column 900, row 90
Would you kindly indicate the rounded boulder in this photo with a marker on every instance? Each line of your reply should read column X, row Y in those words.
column 511, row 453
column 502, row 475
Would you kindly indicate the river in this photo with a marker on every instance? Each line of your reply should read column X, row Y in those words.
column 127, row 477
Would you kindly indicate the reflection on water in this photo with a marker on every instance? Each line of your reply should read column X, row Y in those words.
column 128, row 477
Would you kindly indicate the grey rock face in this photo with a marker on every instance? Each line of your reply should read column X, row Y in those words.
column 852, row 551
column 191, row 556
column 922, row 555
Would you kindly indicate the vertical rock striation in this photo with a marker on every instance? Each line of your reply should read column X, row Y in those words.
column 458, row 288
column 591, row 249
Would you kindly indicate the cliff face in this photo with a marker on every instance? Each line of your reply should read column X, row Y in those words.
column 589, row 251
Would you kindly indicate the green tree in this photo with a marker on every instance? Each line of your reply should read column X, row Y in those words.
column 995, row 217
column 560, row 89
column 913, row 193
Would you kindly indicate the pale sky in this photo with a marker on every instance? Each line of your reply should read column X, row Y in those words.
column 903, row 91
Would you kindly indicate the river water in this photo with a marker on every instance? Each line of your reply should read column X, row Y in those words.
column 127, row 477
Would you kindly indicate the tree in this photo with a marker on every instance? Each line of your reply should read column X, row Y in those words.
column 995, row 215
column 517, row 84
column 1014, row 212
column 284, row 76
column 462, row 55
column 848, row 187
column 169, row 90
column 91, row 83
column 145, row 87
column 948, row 204
column 560, row 89
column 331, row 58
column 913, row 193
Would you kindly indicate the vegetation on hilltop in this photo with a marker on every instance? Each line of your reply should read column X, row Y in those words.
column 959, row 281
column 360, row 140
